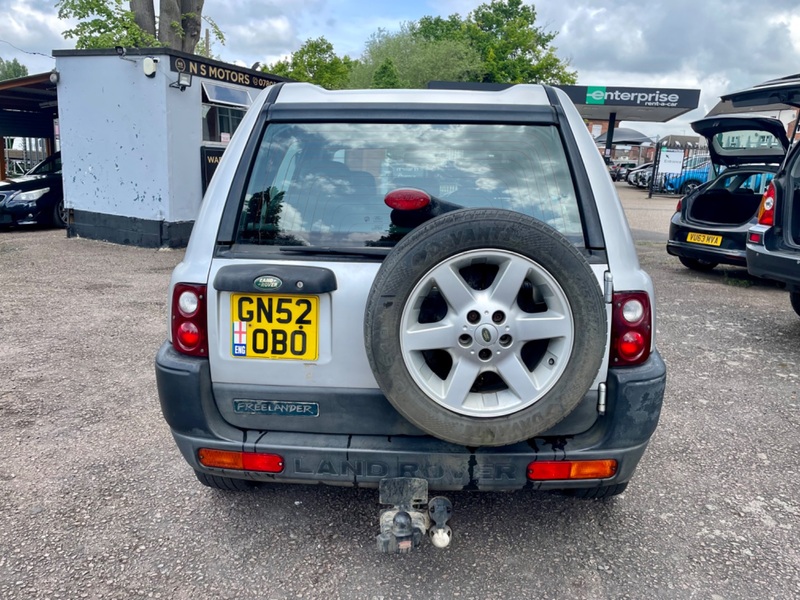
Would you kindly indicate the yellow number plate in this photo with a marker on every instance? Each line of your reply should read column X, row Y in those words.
column 273, row 326
column 704, row 238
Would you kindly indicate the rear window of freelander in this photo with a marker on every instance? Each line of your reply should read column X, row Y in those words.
column 324, row 184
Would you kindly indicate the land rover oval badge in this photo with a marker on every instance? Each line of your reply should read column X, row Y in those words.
column 267, row 282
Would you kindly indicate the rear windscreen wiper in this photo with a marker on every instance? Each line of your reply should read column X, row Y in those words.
column 339, row 250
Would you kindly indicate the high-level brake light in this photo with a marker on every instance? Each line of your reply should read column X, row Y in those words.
column 407, row 199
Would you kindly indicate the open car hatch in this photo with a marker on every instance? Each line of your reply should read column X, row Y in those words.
column 743, row 140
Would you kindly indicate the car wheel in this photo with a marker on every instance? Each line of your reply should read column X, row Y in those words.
column 227, row 484
column 595, row 493
column 485, row 327
column 60, row 214
column 794, row 298
column 690, row 186
column 696, row 264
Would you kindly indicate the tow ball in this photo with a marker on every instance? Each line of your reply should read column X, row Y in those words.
column 409, row 521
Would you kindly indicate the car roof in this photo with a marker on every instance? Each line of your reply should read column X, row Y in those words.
column 785, row 90
column 522, row 94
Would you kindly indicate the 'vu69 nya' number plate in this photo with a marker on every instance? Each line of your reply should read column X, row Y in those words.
column 273, row 326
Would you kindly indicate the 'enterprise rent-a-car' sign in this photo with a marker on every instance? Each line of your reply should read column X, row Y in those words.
column 625, row 96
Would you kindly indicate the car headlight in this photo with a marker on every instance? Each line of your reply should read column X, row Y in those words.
column 22, row 198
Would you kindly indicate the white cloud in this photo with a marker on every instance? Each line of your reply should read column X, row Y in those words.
column 714, row 45
column 29, row 30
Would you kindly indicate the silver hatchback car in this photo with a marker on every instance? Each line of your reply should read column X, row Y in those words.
column 412, row 290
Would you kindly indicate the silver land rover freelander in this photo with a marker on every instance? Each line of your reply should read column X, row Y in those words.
column 412, row 290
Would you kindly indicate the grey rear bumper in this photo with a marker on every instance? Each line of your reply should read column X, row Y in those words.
column 634, row 399
column 778, row 265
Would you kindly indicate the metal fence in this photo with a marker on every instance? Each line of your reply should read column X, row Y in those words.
column 22, row 154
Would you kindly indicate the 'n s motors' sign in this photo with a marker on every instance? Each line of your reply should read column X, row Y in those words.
column 220, row 72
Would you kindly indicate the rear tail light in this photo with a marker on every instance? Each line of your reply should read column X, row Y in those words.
column 631, row 328
column 240, row 461
column 680, row 205
column 571, row 469
column 766, row 211
column 189, row 329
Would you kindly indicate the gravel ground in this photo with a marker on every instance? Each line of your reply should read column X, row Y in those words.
column 96, row 502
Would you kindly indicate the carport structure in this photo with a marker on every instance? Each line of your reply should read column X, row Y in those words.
column 28, row 108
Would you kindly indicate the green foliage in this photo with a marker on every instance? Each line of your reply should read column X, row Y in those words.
column 414, row 61
column 386, row 76
column 504, row 33
column 315, row 62
column 201, row 50
column 103, row 24
column 11, row 69
column 109, row 23
column 437, row 28
column 216, row 32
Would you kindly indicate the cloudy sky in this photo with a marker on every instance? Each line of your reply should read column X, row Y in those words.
column 713, row 45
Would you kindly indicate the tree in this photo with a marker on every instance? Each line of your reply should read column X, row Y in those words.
column 11, row 69
column 108, row 23
column 405, row 60
column 504, row 32
column 315, row 62
column 385, row 76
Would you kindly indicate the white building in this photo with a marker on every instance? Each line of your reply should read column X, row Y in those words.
column 141, row 133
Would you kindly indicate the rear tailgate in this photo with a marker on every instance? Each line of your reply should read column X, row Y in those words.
column 293, row 358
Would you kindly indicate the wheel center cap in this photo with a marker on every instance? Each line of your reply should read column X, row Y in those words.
column 486, row 335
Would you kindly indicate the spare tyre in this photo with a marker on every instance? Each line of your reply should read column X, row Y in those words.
column 485, row 327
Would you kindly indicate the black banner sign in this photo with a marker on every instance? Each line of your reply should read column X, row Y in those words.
column 209, row 159
column 227, row 74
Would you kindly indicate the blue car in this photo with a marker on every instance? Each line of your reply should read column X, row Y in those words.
column 690, row 179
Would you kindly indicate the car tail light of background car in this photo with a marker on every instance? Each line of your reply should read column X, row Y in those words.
column 189, row 325
column 631, row 328
column 766, row 212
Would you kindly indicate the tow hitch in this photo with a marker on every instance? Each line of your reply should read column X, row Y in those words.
column 408, row 521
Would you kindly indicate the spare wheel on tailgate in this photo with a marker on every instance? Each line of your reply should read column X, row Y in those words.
column 485, row 327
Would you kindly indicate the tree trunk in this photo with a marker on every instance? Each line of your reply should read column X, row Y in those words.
column 170, row 31
column 191, row 20
column 179, row 24
column 145, row 15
